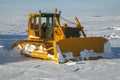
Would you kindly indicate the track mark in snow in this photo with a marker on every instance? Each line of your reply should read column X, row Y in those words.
column 77, row 69
column 36, row 66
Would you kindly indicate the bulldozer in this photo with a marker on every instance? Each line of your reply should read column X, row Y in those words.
column 48, row 39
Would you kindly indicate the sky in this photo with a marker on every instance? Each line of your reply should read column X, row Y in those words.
column 68, row 7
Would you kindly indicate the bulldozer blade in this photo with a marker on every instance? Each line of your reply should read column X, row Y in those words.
column 76, row 45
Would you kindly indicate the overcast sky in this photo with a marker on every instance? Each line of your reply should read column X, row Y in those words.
column 68, row 7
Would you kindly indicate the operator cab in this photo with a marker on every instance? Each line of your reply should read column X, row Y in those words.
column 48, row 18
column 48, row 23
column 41, row 25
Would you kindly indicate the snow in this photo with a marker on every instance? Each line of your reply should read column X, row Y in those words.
column 41, row 49
column 31, row 36
column 3, row 52
column 17, row 50
column 29, row 48
column 70, row 63
column 112, row 36
column 51, row 56
column 17, row 67
column 68, row 55
column 111, row 28
column 13, row 25
column 107, row 51
column 60, row 56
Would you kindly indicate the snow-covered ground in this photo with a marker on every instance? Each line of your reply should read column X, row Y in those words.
column 17, row 67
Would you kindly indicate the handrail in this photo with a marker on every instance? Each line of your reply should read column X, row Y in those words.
column 78, row 25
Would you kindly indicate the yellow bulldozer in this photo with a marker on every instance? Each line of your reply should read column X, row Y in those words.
column 48, row 39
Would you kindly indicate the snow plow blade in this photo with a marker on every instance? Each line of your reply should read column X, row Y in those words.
column 77, row 45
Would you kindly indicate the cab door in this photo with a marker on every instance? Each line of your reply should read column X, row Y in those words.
column 34, row 26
